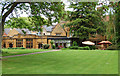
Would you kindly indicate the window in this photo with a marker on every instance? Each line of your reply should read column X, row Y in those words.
column 58, row 34
column 19, row 42
column 29, row 43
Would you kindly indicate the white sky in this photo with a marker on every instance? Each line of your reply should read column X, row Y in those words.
column 24, row 14
column 66, row 8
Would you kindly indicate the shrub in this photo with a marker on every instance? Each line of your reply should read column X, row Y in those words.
column 9, row 48
column 22, row 48
column 65, row 48
column 84, row 48
column 17, row 48
column 74, row 43
column 73, row 47
column 87, row 48
column 46, row 46
column 92, row 47
column 51, row 42
column 112, row 47
column 59, row 47
column 53, row 46
column 81, row 48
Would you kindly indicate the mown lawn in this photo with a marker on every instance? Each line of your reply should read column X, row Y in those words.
column 8, row 52
column 64, row 62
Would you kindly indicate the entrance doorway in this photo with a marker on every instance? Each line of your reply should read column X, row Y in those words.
column 64, row 45
column 40, row 46
column 10, row 45
column 56, row 45
column 4, row 45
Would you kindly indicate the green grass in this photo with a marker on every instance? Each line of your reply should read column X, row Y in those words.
column 64, row 62
column 8, row 52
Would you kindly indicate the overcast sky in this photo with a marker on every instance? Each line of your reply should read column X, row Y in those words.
column 24, row 14
column 66, row 8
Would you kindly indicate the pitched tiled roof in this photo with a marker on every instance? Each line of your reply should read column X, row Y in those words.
column 7, row 30
column 26, row 30
column 48, row 28
column 19, row 30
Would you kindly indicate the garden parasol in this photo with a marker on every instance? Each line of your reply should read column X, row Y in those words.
column 105, row 42
column 88, row 43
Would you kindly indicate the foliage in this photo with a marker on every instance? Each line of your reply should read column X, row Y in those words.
column 116, row 12
column 73, row 47
column 46, row 46
column 84, row 48
column 51, row 42
column 92, row 47
column 53, row 46
column 85, row 19
column 117, row 24
column 52, row 11
column 80, row 48
column 17, row 48
column 112, row 47
column 110, row 28
column 74, row 43
column 59, row 47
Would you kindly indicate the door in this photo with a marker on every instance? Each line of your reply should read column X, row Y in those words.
column 10, row 45
column 39, row 46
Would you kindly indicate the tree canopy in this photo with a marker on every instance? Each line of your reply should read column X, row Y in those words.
column 85, row 19
column 53, row 11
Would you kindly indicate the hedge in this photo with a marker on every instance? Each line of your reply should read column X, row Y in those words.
column 17, row 48
column 80, row 48
column 46, row 46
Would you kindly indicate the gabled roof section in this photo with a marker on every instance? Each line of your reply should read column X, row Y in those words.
column 19, row 30
column 26, row 30
column 48, row 28
column 7, row 30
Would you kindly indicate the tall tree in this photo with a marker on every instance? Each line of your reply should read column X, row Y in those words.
column 86, row 19
column 51, row 10
column 110, row 28
column 117, row 24
column 116, row 12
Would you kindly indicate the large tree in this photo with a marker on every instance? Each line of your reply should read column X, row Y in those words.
column 117, row 23
column 116, row 20
column 110, row 28
column 35, row 10
column 85, row 19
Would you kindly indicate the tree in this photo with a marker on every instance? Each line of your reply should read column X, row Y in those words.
column 117, row 24
column 35, row 10
column 110, row 28
column 86, row 19
column 26, row 22
column 116, row 12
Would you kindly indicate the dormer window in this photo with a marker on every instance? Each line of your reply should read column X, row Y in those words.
column 58, row 34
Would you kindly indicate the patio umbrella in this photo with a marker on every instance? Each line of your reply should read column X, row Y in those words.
column 105, row 42
column 88, row 43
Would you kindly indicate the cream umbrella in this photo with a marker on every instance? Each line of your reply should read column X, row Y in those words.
column 88, row 43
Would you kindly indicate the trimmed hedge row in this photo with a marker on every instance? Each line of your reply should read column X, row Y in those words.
column 80, row 48
column 17, row 48
column 46, row 46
